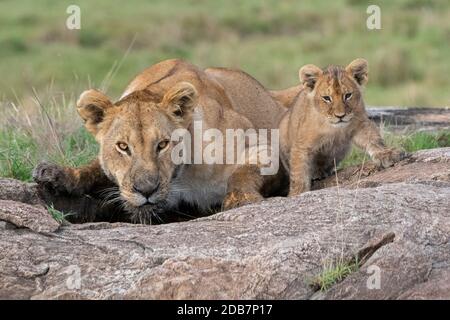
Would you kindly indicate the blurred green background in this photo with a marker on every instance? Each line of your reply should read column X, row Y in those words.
column 409, row 57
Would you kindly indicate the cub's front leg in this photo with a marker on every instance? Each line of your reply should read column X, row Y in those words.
column 243, row 187
column 368, row 138
column 74, row 181
column 299, row 170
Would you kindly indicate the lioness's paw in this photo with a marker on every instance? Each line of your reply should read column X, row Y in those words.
column 52, row 177
column 388, row 157
column 235, row 199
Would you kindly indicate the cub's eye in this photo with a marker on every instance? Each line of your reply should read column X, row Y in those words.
column 122, row 147
column 347, row 96
column 327, row 99
column 162, row 145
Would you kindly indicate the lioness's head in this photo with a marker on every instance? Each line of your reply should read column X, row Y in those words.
column 135, row 140
column 336, row 91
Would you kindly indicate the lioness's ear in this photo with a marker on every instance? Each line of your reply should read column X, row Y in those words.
column 91, row 107
column 308, row 75
column 359, row 70
column 181, row 100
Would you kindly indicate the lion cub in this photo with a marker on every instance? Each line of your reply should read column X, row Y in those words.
column 327, row 115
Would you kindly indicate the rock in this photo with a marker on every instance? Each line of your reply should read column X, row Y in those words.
column 24, row 215
column 397, row 230
column 19, row 191
column 432, row 166
column 414, row 119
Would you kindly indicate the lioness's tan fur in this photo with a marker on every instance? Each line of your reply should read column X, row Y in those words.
column 165, row 97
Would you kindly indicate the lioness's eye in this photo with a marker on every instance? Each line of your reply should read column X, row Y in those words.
column 327, row 99
column 122, row 146
column 347, row 96
column 162, row 145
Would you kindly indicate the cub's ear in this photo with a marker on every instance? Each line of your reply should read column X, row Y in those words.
column 308, row 75
column 180, row 100
column 91, row 107
column 359, row 70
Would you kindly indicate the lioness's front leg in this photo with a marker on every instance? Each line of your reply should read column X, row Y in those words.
column 243, row 187
column 74, row 181
column 368, row 138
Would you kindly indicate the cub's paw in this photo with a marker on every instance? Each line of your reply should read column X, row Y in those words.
column 295, row 192
column 297, row 187
column 52, row 177
column 236, row 199
column 388, row 157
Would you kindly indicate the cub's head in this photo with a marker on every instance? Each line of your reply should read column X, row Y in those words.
column 135, row 140
column 336, row 91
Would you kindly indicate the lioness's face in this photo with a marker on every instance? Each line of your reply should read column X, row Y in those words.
column 135, row 140
column 336, row 91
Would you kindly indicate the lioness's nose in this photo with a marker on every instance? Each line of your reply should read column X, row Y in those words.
column 146, row 187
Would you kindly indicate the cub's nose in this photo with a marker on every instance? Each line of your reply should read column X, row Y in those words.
column 146, row 189
column 339, row 115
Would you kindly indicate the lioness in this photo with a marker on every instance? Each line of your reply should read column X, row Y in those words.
column 323, row 119
column 134, row 135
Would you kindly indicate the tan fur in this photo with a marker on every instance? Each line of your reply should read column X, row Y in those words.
column 286, row 96
column 164, row 97
column 316, row 134
column 249, row 97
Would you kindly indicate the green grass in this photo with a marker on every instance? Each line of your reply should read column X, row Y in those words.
column 422, row 140
column 270, row 39
column 17, row 155
column 408, row 142
column 47, row 128
column 59, row 216
column 21, row 153
column 333, row 273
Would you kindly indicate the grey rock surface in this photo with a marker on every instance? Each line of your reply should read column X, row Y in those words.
column 399, row 230
column 411, row 119
column 25, row 215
